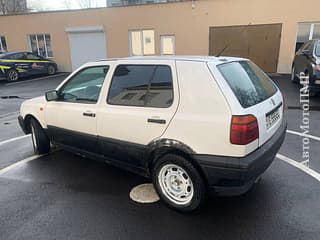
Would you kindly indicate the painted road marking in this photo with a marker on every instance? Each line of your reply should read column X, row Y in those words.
column 12, row 166
column 36, row 79
column 8, row 114
column 300, row 166
column 304, row 135
column 14, row 139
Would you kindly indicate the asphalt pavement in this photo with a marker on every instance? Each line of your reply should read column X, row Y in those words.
column 65, row 196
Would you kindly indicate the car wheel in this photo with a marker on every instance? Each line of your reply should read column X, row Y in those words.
column 41, row 143
column 294, row 78
column 12, row 75
column 178, row 183
column 312, row 93
column 51, row 70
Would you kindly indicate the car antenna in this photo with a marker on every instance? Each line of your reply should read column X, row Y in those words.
column 229, row 44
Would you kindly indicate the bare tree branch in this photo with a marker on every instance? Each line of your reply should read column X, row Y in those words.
column 12, row 6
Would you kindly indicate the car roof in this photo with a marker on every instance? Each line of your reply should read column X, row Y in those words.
column 4, row 54
column 211, row 59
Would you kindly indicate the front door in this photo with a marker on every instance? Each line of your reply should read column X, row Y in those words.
column 141, row 101
column 303, row 57
column 71, row 120
column 36, row 64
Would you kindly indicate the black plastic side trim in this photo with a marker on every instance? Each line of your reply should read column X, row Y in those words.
column 229, row 172
column 169, row 143
column 22, row 124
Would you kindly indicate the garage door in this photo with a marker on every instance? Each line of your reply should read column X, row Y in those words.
column 86, row 44
column 260, row 43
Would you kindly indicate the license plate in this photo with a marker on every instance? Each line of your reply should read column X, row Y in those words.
column 272, row 118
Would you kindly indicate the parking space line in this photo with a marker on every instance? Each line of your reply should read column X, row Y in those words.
column 12, row 166
column 36, row 79
column 13, row 139
column 8, row 114
column 304, row 135
column 300, row 166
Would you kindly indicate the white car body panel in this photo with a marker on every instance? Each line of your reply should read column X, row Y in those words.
column 199, row 117
column 33, row 108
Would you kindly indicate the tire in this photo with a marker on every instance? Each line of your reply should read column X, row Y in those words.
column 178, row 183
column 40, row 141
column 294, row 78
column 51, row 70
column 12, row 75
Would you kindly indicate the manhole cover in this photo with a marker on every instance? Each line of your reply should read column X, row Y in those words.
column 144, row 193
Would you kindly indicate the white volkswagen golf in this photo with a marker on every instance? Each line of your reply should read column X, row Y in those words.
column 191, row 124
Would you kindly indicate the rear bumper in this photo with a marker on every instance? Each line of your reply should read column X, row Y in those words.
column 235, row 175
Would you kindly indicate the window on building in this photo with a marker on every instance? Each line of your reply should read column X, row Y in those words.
column 307, row 31
column 141, row 42
column 141, row 85
column 40, row 44
column 3, row 44
column 114, row 3
column 167, row 44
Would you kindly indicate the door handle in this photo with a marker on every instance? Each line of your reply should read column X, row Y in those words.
column 86, row 114
column 159, row 121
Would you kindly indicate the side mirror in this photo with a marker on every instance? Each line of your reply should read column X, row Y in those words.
column 51, row 95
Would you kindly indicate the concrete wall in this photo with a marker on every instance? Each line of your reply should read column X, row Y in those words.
column 190, row 25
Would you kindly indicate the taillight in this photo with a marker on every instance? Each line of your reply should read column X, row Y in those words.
column 244, row 129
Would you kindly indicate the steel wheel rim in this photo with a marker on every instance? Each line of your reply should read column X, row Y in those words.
column 176, row 184
column 34, row 141
column 13, row 75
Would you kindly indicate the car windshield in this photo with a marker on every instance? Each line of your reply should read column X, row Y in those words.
column 318, row 49
column 248, row 82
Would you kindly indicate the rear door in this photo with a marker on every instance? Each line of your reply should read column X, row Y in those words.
column 140, row 101
column 253, row 93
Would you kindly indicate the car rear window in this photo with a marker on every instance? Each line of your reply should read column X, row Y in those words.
column 248, row 82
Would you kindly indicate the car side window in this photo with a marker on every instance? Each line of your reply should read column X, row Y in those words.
column 17, row 56
column 30, row 56
column 306, row 47
column 141, row 86
column 161, row 89
column 85, row 86
column 317, row 51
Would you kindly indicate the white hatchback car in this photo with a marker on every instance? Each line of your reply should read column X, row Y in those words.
column 189, row 123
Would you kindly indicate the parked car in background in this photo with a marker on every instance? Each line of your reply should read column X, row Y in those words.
column 307, row 61
column 14, row 65
column 189, row 123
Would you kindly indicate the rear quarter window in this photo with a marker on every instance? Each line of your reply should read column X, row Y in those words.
column 248, row 82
